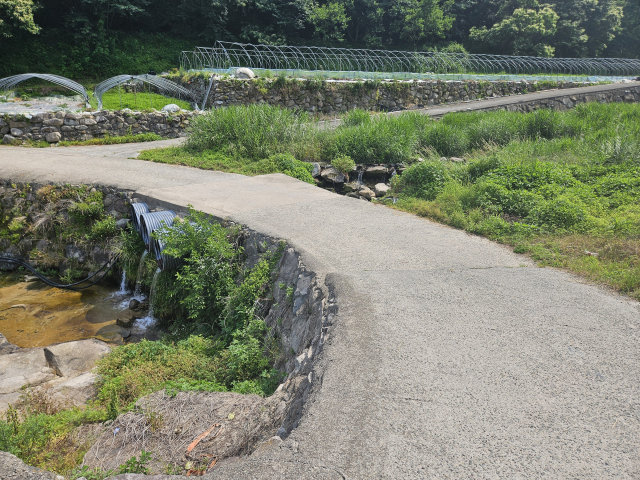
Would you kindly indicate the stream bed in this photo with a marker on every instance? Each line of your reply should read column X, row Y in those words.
column 33, row 314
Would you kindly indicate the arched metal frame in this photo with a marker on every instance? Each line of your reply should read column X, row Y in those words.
column 164, row 86
column 357, row 63
column 10, row 82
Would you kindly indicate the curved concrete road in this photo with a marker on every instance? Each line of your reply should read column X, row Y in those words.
column 452, row 357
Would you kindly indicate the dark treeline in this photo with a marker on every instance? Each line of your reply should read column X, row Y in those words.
column 91, row 38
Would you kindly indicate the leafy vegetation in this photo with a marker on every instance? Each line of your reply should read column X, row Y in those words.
column 212, row 307
column 115, row 99
column 108, row 140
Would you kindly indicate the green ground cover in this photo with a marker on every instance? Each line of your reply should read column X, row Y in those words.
column 216, row 340
column 143, row 100
column 562, row 187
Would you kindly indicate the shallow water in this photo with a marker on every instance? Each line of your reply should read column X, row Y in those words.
column 33, row 314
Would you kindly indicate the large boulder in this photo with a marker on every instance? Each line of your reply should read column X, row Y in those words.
column 53, row 137
column 12, row 468
column 381, row 189
column 172, row 107
column 245, row 73
column 73, row 358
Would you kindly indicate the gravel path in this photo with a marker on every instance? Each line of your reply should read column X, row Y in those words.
column 452, row 357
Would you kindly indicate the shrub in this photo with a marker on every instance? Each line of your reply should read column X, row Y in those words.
column 423, row 180
column 104, row 228
column 560, row 213
column 343, row 164
column 283, row 163
column 382, row 140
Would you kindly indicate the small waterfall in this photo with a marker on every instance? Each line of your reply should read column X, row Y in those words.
column 148, row 321
column 138, row 290
column 123, row 284
column 360, row 172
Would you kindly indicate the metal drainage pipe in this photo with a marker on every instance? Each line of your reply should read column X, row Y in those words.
column 151, row 221
column 165, row 262
column 138, row 209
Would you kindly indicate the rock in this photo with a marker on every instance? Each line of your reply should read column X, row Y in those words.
column 6, row 347
column 42, row 245
column 26, row 366
column 122, row 223
column 120, row 206
column 332, row 175
column 377, row 171
column 172, row 107
column 18, row 124
column 87, row 121
column 316, row 170
column 457, row 159
column 53, row 122
column 126, row 319
column 272, row 443
column 76, row 391
column 245, row 73
column 134, row 304
column 367, row 193
column 53, row 137
column 73, row 358
column 16, row 132
column 381, row 189
column 12, row 468
column 71, row 251
column 100, row 256
column 443, row 159
column 8, row 139
column 352, row 187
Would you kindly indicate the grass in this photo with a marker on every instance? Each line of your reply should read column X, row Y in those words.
column 141, row 101
column 108, row 140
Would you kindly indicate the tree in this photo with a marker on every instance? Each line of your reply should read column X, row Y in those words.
column 627, row 42
column 527, row 31
column 17, row 15
column 330, row 22
column 586, row 27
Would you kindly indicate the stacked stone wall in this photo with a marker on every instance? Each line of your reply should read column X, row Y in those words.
column 65, row 126
column 330, row 97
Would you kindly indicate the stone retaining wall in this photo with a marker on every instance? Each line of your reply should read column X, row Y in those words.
column 58, row 126
column 341, row 95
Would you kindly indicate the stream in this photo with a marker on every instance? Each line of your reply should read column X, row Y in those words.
column 33, row 314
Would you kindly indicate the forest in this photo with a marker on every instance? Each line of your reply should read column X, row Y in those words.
column 95, row 38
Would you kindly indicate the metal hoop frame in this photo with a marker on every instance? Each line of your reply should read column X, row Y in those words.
column 227, row 56
column 10, row 82
column 165, row 87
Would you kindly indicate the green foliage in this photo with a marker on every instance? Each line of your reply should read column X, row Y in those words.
column 527, row 31
column 356, row 117
column 343, row 164
column 561, row 184
column 282, row 163
column 89, row 209
column 115, row 99
column 423, row 180
column 136, row 465
column 108, row 140
column 104, row 228
column 253, row 131
column 17, row 14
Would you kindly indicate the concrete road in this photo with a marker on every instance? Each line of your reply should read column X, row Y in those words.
column 452, row 356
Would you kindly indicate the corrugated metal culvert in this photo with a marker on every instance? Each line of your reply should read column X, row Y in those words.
column 138, row 209
column 151, row 221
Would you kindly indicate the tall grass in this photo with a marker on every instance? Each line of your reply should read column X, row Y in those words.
column 253, row 131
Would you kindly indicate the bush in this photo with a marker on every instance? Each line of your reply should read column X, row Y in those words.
column 423, row 180
column 343, row 164
column 104, row 228
column 283, row 163
column 560, row 213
